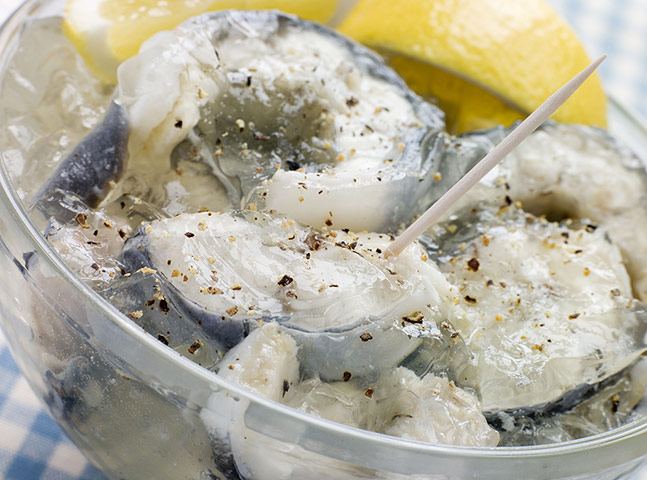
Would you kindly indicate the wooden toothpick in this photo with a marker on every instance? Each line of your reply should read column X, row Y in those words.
column 509, row 143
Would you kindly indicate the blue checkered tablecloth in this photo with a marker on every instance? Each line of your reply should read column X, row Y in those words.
column 32, row 446
column 619, row 29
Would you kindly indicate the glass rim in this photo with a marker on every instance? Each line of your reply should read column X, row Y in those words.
column 636, row 430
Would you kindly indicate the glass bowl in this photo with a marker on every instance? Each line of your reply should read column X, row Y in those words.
column 138, row 409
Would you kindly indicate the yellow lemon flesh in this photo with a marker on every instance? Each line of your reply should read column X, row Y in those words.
column 487, row 63
column 107, row 32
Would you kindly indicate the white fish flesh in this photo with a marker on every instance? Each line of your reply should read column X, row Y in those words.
column 265, row 96
column 612, row 406
column 265, row 363
column 578, row 172
column 430, row 409
column 348, row 308
column 545, row 309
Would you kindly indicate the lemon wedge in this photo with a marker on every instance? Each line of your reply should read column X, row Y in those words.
column 486, row 63
column 107, row 32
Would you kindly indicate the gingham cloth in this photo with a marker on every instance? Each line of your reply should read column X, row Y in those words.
column 619, row 29
column 33, row 447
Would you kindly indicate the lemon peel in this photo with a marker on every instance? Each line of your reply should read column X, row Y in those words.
column 486, row 62
column 107, row 32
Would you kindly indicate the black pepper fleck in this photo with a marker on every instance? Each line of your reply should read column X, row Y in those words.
column 314, row 241
column 194, row 347
column 365, row 337
column 292, row 165
column 285, row 280
column 352, row 101
column 415, row 317
column 473, row 264
column 81, row 219
column 286, row 387
column 615, row 403
column 164, row 305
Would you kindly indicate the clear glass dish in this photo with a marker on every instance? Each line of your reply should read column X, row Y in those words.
column 137, row 409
